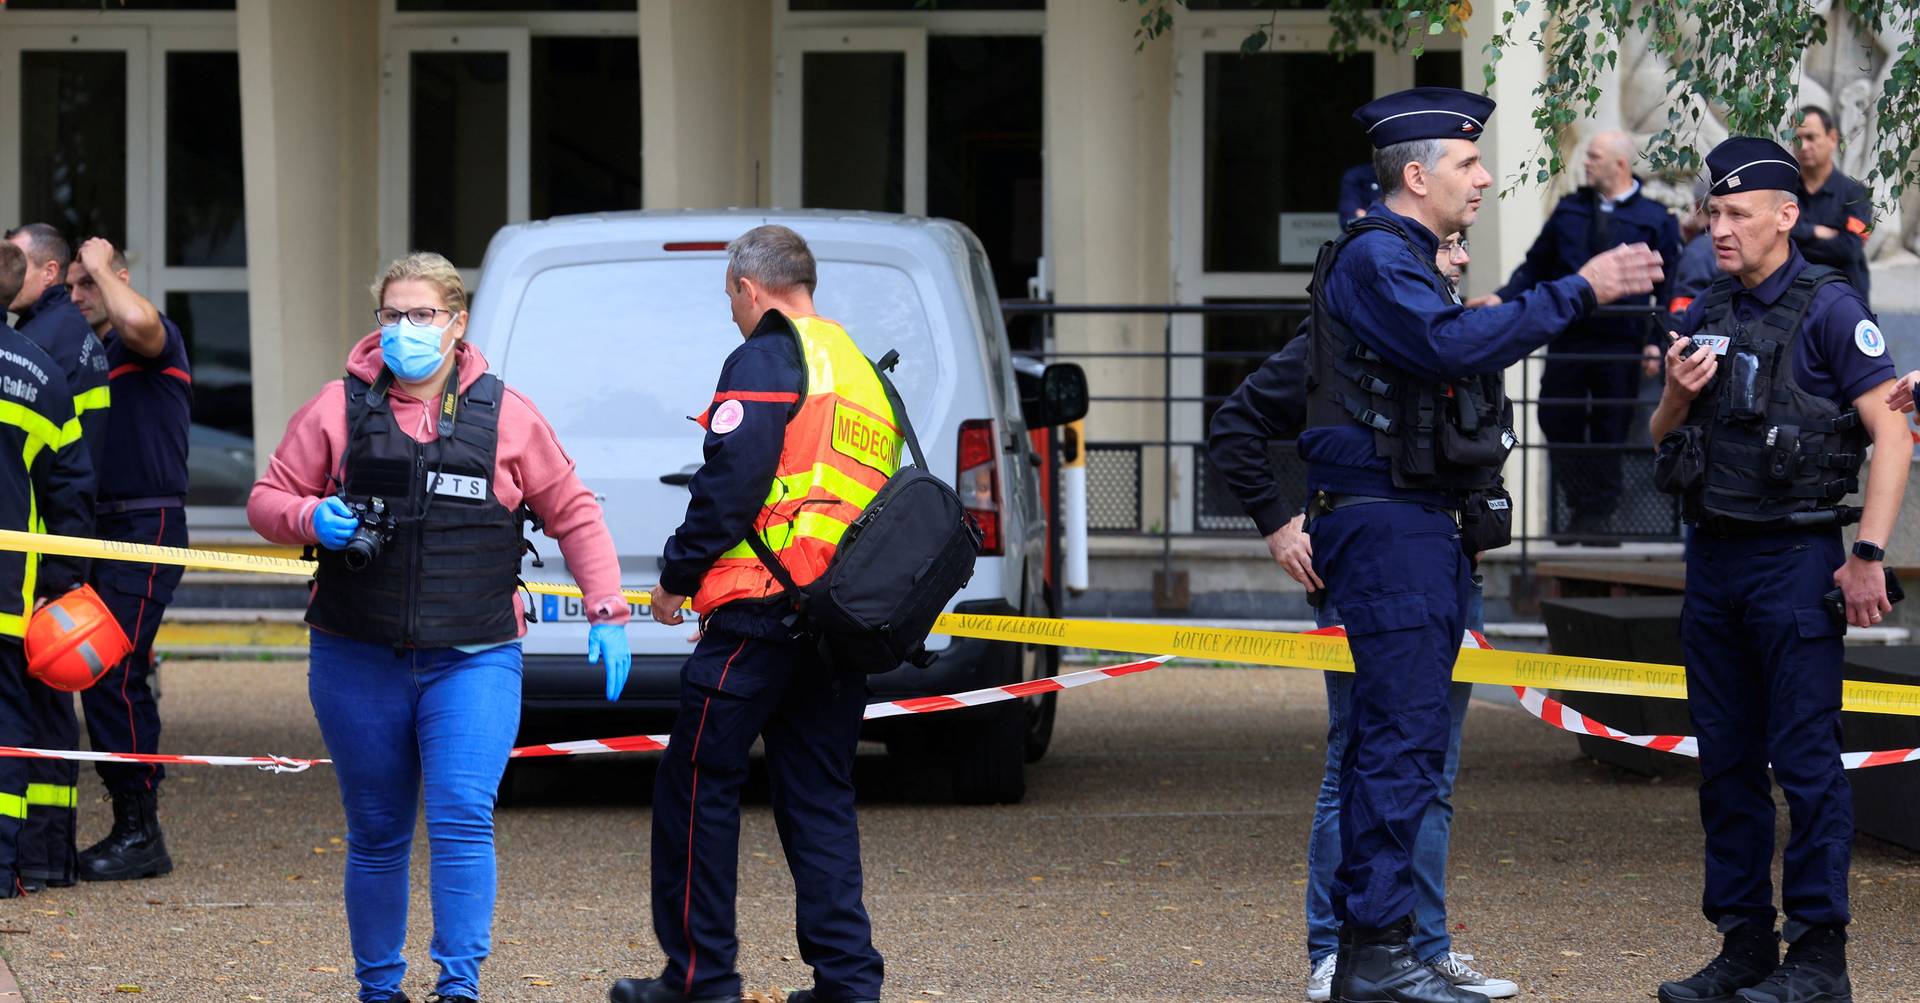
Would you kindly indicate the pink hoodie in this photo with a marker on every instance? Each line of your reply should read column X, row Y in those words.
column 529, row 466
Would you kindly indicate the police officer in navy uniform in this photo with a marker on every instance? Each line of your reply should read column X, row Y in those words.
column 1777, row 382
column 1358, row 189
column 1836, row 211
column 1407, row 427
column 770, row 459
column 142, row 499
column 1587, row 402
column 53, row 485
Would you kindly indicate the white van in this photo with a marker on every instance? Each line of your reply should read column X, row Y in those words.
column 616, row 325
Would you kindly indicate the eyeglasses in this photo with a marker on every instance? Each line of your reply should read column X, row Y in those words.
column 1454, row 247
column 420, row 316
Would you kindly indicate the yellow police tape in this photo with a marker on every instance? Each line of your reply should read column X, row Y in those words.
column 1220, row 644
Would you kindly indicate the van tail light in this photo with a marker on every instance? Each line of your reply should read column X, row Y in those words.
column 979, row 481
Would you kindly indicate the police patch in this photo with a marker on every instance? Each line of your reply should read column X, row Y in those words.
column 727, row 417
column 1871, row 342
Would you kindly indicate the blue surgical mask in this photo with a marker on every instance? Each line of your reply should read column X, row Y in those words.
column 413, row 353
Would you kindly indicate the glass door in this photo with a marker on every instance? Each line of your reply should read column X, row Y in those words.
column 77, row 156
column 454, row 122
column 850, row 119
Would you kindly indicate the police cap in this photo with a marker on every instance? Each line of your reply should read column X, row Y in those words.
column 1424, row 113
column 1747, row 164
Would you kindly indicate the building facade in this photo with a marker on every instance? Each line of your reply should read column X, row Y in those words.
column 260, row 159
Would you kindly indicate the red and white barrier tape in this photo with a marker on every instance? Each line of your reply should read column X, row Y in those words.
column 639, row 743
column 1565, row 718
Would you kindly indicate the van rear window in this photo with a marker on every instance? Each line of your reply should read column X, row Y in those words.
column 619, row 349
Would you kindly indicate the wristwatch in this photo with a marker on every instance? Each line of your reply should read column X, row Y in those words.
column 1868, row 552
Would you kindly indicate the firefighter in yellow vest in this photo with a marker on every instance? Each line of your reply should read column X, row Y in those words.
column 800, row 436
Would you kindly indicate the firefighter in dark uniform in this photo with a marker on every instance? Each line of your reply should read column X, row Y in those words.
column 1587, row 400
column 1836, row 211
column 774, row 466
column 142, row 489
column 50, row 490
column 1407, row 429
column 50, row 320
column 1768, row 410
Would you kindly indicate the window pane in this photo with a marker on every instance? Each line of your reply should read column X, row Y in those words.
column 983, row 146
column 73, row 142
column 938, row 5
column 220, row 443
column 459, row 152
column 206, row 206
column 855, row 125
column 97, row 7
column 1275, row 150
column 1437, row 69
column 508, row 6
column 586, row 154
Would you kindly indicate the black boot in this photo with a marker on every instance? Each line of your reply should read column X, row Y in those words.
column 135, row 848
column 1748, row 951
column 1815, row 970
column 656, row 991
column 1377, row 966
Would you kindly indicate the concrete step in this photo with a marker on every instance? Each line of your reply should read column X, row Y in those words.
column 202, row 632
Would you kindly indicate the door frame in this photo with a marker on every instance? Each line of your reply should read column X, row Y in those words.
column 791, row 47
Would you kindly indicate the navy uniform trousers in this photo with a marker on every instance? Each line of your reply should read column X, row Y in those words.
column 1763, row 685
column 122, row 714
column 15, row 729
column 1598, row 401
column 1396, row 572
column 48, row 850
column 733, row 690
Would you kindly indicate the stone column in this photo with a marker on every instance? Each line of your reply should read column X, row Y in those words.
column 706, row 94
column 310, row 124
column 1509, row 222
column 1108, row 136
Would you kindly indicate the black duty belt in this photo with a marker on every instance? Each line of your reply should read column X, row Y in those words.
column 1324, row 502
column 120, row 506
column 1798, row 522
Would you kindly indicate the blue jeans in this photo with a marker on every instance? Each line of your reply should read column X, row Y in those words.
column 1430, row 939
column 392, row 720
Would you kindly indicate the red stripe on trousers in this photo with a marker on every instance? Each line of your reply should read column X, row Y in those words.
column 693, row 816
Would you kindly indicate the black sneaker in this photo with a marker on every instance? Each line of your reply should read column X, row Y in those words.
column 1815, row 969
column 437, row 998
column 656, row 991
column 1747, row 953
column 1378, row 966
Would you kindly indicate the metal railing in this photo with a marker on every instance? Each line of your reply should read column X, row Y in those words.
column 1164, row 485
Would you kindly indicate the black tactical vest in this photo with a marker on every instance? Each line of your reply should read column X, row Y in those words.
column 1764, row 451
column 1450, row 437
column 447, row 574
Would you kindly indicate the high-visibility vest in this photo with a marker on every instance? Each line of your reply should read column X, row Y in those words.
column 840, row 448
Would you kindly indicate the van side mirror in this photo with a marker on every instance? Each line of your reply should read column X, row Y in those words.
column 1056, row 396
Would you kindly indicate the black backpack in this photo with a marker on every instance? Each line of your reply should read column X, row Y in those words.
column 893, row 572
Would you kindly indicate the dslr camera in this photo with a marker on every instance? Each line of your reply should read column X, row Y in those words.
column 377, row 523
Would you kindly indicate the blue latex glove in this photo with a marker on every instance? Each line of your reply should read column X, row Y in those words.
column 607, row 644
column 334, row 522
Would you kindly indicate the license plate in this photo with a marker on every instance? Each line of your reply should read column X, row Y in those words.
column 571, row 609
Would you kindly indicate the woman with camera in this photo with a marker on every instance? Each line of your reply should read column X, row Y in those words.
column 413, row 475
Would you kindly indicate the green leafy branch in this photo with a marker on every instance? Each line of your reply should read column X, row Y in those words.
column 1739, row 59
